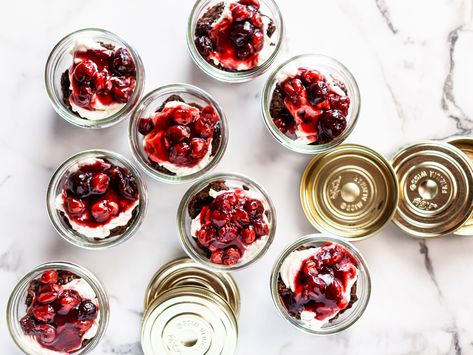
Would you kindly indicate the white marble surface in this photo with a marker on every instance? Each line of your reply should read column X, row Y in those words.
column 412, row 60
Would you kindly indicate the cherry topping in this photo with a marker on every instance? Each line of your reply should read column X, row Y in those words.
column 48, row 277
column 85, row 71
column 99, row 183
column 122, row 62
column 184, row 115
column 179, row 154
column 241, row 33
column 145, row 125
column 87, row 310
column 177, row 134
column 27, row 323
column 240, row 12
column 253, row 3
column 317, row 92
column 240, row 217
column 220, row 218
column 231, row 256
column 79, row 183
column 217, row 257
column 332, row 124
column 46, row 333
column 206, row 235
column 44, row 313
column 248, row 234
column 227, row 233
column 75, row 206
column 100, row 211
column 254, row 207
column 198, row 148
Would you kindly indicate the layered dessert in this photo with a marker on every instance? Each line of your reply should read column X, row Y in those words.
column 181, row 138
column 63, row 313
column 100, row 80
column 318, row 284
column 98, row 199
column 309, row 106
column 230, row 225
column 235, row 35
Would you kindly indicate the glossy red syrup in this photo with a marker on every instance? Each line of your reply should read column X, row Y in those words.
column 57, row 318
column 229, row 224
column 98, row 192
column 103, row 77
column 313, row 106
column 238, row 38
column 180, row 134
column 322, row 281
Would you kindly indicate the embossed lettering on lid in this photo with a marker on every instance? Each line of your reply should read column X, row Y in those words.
column 350, row 191
column 435, row 182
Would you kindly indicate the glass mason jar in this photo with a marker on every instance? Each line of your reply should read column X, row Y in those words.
column 184, row 221
column 326, row 65
column 268, row 8
column 60, row 60
column 147, row 108
column 58, row 218
column 363, row 286
column 16, row 307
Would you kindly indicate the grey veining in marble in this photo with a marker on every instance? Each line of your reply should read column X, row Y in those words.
column 412, row 61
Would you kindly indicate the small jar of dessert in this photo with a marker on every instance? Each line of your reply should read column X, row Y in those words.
column 226, row 221
column 178, row 133
column 320, row 284
column 310, row 103
column 190, row 310
column 235, row 40
column 94, row 78
column 58, row 308
column 96, row 199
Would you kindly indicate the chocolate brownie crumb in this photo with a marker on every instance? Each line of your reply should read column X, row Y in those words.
column 64, row 277
column 203, row 198
column 277, row 107
column 271, row 28
column 108, row 46
column 65, row 89
column 169, row 99
column 32, row 288
column 246, row 188
column 204, row 24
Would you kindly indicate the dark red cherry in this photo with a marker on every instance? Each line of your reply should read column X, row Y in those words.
column 199, row 147
column 84, row 95
column 100, row 211
column 254, row 207
column 245, row 51
column 231, row 256
column 261, row 228
column 253, row 3
column 127, row 186
column 87, row 310
column 292, row 87
column 240, row 12
column 220, row 218
column 68, row 301
column 217, row 256
column 206, row 235
column 227, row 233
column 317, row 92
column 179, row 153
column 145, row 126
column 122, row 93
column 311, row 77
column 99, row 183
column 177, row 134
column 241, row 33
column 84, row 71
column 122, row 62
column 48, row 277
column 43, row 313
column 248, row 234
column 79, row 183
column 184, row 115
column 332, row 124
column 240, row 217
column 203, row 128
column 28, row 324
column 258, row 41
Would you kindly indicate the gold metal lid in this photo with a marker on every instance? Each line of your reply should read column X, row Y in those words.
column 186, row 272
column 466, row 146
column 351, row 192
column 189, row 320
column 435, row 182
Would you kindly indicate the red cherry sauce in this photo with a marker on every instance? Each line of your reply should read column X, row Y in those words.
column 98, row 192
column 238, row 38
column 322, row 281
column 57, row 317
column 313, row 107
column 102, row 76
column 229, row 224
column 180, row 134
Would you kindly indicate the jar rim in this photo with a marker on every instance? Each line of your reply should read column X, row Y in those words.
column 73, row 236
column 239, row 76
column 352, row 117
column 186, row 239
column 58, row 52
column 354, row 313
column 22, row 286
column 148, row 100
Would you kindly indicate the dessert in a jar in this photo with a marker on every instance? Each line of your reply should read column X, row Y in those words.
column 94, row 79
column 320, row 284
column 190, row 309
column 58, row 308
column 226, row 221
column 310, row 103
column 178, row 133
column 96, row 199
column 235, row 40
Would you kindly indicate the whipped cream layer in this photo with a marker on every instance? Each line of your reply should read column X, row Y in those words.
column 100, row 111
column 253, row 249
column 290, row 268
